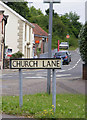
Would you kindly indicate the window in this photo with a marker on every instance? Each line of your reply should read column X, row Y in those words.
column 25, row 32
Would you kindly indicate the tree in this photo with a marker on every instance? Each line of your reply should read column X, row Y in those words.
column 17, row 55
column 59, row 28
column 47, row 12
column 21, row 8
column 73, row 17
column 67, row 23
column 83, row 48
column 34, row 12
column 83, row 43
column 73, row 25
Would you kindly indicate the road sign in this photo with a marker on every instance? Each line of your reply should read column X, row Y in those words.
column 37, row 41
column 67, row 36
column 44, row 63
column 49, row 63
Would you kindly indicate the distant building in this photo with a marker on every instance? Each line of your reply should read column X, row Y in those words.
column 41, row 39
column 86, row 11
column 19, row 32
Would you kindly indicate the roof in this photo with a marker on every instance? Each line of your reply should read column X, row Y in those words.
column 39, row 31
column 16, row 14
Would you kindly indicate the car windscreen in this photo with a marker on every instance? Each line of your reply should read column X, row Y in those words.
column 64, row 43
column 60, row 54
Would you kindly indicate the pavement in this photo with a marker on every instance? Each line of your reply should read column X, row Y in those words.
column 68, row 85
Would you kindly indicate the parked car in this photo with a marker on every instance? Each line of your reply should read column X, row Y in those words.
column 64, row 55
column 64, row 45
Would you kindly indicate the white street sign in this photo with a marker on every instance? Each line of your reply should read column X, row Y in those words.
column 50, row 63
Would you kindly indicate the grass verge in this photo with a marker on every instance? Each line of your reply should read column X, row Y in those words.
column 40, row 106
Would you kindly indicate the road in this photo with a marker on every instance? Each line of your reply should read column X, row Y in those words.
column 35, row 81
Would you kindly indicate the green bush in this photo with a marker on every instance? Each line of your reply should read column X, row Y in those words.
column 83, row 43
column 17, row 55
column 73, row 41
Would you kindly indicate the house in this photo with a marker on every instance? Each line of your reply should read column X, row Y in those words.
column 3, row 22
column 41, row 39
column 19, row 32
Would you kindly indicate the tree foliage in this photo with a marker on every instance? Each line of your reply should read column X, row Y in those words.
column 73, row 25
column 17, row 55
column 83, row 42
column 66, row 24
column 21, row 8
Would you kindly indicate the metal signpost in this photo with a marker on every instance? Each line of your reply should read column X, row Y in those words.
column 54, row 90
column 50, row 39
column 44, row 63
column 20, row 89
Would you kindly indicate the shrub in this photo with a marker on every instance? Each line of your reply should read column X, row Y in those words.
column 83, row 43
column 17, row 55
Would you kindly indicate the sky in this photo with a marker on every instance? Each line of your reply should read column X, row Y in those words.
column 65, row 6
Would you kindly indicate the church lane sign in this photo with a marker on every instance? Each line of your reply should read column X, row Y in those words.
column 39, row 63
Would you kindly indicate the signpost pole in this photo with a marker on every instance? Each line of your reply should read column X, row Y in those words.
column 20, row 88
column 54, row 90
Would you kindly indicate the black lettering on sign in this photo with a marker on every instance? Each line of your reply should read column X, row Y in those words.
column 48, row 64
column 43, row 63
column 22, row 64
column 58, row 63
column 35, row 63
column 53, row 63
column 26, row 64
column 14, row 64
column 18, row 63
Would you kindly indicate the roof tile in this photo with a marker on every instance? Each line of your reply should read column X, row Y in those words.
column 39, row 31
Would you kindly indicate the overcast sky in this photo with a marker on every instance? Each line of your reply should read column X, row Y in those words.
column 65, row 6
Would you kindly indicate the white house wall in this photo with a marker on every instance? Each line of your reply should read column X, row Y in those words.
column 15, row 39
column 11, row 30
column 31, row 41
column 28, row 43
column 23, row 37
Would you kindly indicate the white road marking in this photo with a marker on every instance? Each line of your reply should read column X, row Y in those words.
column 10, row 76
column 70, row 68
column 45, row 76
column 34, row 77
column 0, row 76
column 63, row 75
column 61, row 71
column 4, row 74
column 27, row 73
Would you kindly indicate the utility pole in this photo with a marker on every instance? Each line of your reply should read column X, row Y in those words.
column 50, row 40
column 49, row 46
